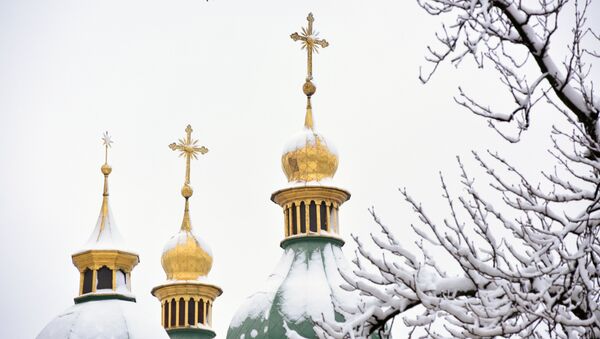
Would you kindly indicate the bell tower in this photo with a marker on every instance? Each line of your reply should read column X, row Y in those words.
column 305, row 286
column 105, row 263
column 187, row 298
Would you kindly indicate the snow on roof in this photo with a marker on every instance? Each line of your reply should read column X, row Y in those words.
column 313, row 282
column 306, row 292
column 182, row 236
column 106, row 235
column 122, row 290
column 291, row 334
column 307, row 137
column 260, row 303
column 302, row 289
column 115, row 319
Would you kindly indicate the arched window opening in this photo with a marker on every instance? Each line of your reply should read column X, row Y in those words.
column 323, row 211
column 294, row 220
column 302, row 217
column 166, row 315
column 181, row 321
column 104, row 278
column 201, row 311
column 312, row 215
column 191, row 312
column 87, row 281
column 121, row 280
column 173, row 313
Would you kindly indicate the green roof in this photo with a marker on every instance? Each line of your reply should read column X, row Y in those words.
column 302, row 288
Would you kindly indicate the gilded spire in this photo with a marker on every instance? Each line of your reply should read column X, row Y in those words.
column 311, row 43
column 105, row 251
column 106, row 234
column 189, row 149
column 186, row 259
column 106, row 170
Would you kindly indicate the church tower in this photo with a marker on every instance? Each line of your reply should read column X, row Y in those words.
column 186, row 298
column 305, row 286
column 105, row 306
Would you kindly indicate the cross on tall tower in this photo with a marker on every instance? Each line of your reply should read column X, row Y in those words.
column 310, row 42
column 190, row 149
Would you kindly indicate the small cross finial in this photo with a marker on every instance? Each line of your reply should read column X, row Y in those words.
column 106, row 170
column 107, row 143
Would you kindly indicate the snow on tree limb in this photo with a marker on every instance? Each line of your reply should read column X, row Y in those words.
column 498, row 31
column 527, row 252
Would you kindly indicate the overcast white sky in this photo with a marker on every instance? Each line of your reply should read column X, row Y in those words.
column 143, row 70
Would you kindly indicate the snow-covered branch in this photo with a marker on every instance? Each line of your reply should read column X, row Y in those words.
column 515, row 37
column 526, row 268
column 525, row 251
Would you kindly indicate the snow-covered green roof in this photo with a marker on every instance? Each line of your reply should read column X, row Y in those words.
column 300, row 290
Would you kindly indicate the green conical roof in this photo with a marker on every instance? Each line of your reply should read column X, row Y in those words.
column 302, row 289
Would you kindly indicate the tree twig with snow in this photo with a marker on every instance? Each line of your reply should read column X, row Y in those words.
column 528, row 266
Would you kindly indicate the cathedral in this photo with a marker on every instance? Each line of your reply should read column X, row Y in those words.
column 304, row 287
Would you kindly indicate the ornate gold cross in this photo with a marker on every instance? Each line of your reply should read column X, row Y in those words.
column 188, row 148
column 310, row 42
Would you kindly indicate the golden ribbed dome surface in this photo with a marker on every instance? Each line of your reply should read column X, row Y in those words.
column 309, row 157
column 186, row 257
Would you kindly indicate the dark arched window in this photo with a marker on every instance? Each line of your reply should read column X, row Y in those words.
column 181, row 312
column 166, row 315
column 191, row 312
column 312, row 215
column 302, row 217
column 87, row 280
column 323, row 208
column 173, row 313
column 201, row 311
column 104, row 278
column 294, row 220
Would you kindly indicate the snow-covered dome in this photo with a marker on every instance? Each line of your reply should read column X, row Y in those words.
column 308, row 157
column 104, row 307
column 302, row 289
column 103, row 319
column 186, row 257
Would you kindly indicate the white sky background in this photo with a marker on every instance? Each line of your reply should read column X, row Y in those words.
column 143, row 70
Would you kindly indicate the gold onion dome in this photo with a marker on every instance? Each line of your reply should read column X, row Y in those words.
column 309, row 157
column 185, row 256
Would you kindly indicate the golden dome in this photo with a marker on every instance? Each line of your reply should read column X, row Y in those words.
column 185, row 257
column 309, row 157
